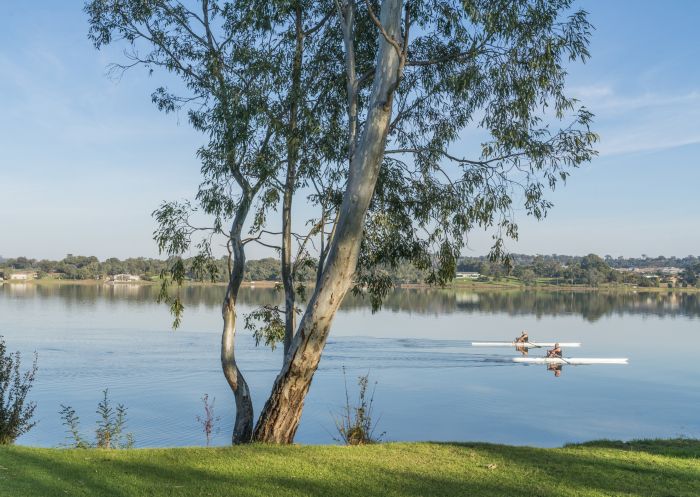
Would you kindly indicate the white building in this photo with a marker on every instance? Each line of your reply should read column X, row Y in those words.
column 467, row 276
column 23, row 276
column 124, row 278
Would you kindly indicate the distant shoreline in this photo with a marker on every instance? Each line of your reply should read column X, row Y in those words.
column 88, row 282
column 496, row 286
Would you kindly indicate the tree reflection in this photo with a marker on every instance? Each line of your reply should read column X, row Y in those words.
column 589, row 305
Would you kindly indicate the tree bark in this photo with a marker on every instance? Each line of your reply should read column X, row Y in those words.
column 280, row 417
column 290, row 186
column 243, row 426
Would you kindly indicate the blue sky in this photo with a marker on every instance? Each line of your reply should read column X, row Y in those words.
column 84, row 159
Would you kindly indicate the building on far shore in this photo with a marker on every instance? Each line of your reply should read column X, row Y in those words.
column 23, row 275
column 467, row 276
column 123, row 278
column 651, row 271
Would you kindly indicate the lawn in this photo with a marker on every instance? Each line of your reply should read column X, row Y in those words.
column 646, row 468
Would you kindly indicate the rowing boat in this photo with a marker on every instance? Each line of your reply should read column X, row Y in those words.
column 527, row 345
column 570, row 360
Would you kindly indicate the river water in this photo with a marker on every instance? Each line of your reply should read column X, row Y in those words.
column 430, row 383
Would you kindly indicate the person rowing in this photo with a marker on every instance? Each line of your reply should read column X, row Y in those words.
column 523, row 338
column 555, row 352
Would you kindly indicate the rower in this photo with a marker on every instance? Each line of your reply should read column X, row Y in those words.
column 523, row 338
column 555, row 352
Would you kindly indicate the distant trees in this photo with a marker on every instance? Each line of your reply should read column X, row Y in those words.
column 560, row 269
column 649, row 282
column 263, row 270
column 590, row 270
column 691, row 274
column 268, row 269
column 528, row 277
column 619, row 262
column 86, row 267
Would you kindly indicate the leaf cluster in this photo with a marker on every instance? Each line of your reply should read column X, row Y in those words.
column 357, row 424
column 16, row 412
column 496, row 70
column 109, row 432
column 481, row 129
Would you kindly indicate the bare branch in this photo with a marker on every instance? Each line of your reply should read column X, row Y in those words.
column 390, row 39
column 319, row 25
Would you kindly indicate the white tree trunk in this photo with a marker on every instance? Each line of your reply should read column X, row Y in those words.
column 280, row 417
column 243, row 426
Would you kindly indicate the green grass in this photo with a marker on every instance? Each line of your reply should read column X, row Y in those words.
column 646, row 468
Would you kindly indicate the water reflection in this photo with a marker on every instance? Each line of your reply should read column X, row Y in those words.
column 589, row 305
column 90, row 337
column 555, row 368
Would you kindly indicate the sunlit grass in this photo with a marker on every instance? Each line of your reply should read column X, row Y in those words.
column 649, row 468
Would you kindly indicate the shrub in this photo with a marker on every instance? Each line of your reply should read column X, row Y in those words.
column 15, row 412
column 356, row 425
column 208, row 421
column 109, row 433
column 72, row 423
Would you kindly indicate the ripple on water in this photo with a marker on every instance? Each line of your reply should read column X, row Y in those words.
column 418, row 351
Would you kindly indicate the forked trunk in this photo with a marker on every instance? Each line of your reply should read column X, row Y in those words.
column 243, row 426
column 280, row 417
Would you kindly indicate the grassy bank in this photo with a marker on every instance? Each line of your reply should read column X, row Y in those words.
column 646, row 468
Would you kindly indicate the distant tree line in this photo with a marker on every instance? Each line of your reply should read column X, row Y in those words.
column 78, row 267
column 614, row 262
column 590, row 270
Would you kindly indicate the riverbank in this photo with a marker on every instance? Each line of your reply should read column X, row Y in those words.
column 513, row 284
column 92, row 282
column 644, row 468
column 507, row 284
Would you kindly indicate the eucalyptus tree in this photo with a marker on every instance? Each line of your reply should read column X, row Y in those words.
column 438, row 70
column 414, row 123
column 239, row 78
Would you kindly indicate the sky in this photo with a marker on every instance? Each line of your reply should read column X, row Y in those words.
column 85, row 158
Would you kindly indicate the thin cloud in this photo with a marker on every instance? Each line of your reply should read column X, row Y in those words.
column 643, row 122
column 604, row 98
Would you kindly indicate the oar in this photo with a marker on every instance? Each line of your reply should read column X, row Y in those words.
column 562, row 358
column 527, row 345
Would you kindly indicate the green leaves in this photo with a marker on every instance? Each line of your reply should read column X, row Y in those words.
column 267, row 325
column 233, row 61
column 175, row 273
column 109, row 432
column 16, row 412
column 482, row 127
column 173, row 234
column 488, row 69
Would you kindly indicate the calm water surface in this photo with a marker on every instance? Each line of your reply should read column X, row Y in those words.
column 432, row 385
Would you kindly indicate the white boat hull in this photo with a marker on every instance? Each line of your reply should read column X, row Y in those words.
column 570, row 360
column 529, row 345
